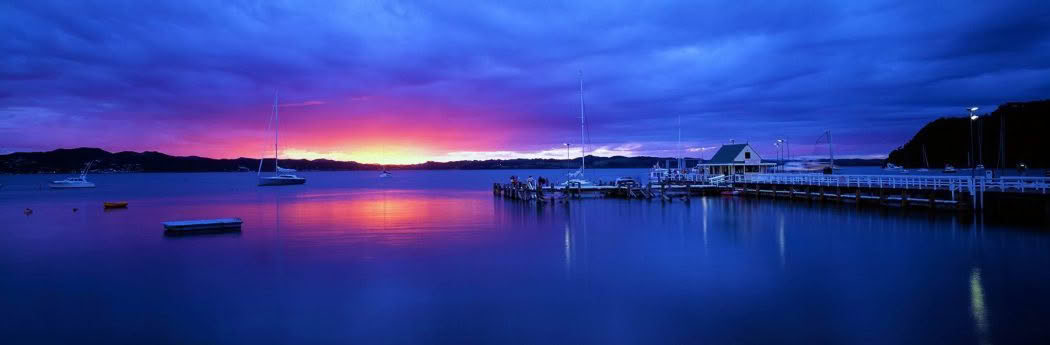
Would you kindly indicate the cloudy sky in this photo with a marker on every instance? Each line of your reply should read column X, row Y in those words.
column 414, row 81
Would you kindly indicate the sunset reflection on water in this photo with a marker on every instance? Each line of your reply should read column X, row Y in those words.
column 389, row 217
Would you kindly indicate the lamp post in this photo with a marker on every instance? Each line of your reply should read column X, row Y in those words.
column 780, row 153
column 973, row 117
column 568, row 162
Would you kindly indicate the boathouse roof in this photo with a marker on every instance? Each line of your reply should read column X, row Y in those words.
column 727, row 154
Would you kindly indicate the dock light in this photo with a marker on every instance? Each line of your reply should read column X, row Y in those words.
column 973, row 117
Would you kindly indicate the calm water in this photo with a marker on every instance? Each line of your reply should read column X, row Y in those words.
column 433, row 257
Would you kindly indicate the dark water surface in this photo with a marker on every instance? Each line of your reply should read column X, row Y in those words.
column 433, row 257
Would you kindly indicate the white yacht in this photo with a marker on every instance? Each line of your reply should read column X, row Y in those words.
column 893, row 167
column 949, row 169
column 385, row 174
column 282, row 176
column 74, row 182
column 576, row 178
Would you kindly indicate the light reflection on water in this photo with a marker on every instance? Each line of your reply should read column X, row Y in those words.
column 345, row 259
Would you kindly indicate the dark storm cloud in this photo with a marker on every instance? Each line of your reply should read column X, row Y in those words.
column 871, row 71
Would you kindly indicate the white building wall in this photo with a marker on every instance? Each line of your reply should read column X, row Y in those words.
column 755, row 159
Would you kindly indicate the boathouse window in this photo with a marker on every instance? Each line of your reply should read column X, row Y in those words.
column 747, row 155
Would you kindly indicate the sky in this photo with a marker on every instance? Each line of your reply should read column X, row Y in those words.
column 407, row 82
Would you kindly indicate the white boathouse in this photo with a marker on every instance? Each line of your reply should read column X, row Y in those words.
column 732, row 159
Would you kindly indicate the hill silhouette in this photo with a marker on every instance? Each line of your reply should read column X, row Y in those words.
column 947, row 139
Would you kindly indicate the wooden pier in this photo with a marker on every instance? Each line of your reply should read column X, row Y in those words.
column 962, row 193
column 521, row 191
column 933, row 191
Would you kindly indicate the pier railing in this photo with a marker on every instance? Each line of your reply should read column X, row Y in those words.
column 1019, row 184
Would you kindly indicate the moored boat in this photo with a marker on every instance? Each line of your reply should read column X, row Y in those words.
column 282, row 176
column 115, row 204
column 281, row 180
column 892, row 167
column 949, row 169
column 626, row 182
column 74, row 182
column 576, row 178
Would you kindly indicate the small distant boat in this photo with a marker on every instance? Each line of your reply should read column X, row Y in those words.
column 282, row 176
column 74, row 182
column 115, row 204
column 893, row 167
column 949, row 169
column 385, row 174
column 626, row 182
column 980, row 166
column 576, row 182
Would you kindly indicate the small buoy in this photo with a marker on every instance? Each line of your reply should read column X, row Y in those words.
column 28, row 211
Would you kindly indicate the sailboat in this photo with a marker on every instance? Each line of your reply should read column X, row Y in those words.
column 576, row 178
column 282, row 176
column 925, row 161
column 385, row 173
column 74, row 182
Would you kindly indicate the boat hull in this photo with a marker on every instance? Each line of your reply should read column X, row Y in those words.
column 118, row 204
column 281, row 181
column 71, row 185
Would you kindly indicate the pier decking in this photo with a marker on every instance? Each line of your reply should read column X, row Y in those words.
column 927, row 190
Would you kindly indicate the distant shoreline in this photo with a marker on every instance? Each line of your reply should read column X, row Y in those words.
column 309, row 171
column 66, row 161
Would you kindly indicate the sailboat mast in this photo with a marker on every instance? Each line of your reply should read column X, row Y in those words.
column 583, row 132
column 831, row 151
column 680, row 161
column 925, row 160
column 276, row 130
